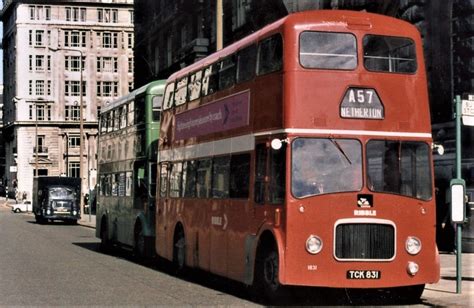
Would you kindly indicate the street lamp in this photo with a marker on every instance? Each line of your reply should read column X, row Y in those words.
column 81, row 121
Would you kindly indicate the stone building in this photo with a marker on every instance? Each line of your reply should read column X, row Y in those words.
column 50, row 47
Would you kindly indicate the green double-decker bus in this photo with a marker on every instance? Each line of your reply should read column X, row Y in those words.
column 127, row 157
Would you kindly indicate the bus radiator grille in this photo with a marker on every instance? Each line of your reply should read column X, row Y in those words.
column 361, row 241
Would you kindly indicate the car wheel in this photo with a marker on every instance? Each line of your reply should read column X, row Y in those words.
column 17, row 210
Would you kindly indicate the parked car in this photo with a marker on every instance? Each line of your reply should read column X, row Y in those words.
column 24, row 206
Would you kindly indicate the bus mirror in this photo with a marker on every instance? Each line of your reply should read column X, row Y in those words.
column 439, row 148
column 276, row 143
column 458, row 190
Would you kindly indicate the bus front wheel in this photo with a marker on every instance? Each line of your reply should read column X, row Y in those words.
column 267, row 276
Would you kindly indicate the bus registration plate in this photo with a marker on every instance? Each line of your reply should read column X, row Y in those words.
column 363, row 274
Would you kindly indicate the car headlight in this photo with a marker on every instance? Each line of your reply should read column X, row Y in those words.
column 413, row 245
column 74, row 212
column 314, row 244
column 48, row 212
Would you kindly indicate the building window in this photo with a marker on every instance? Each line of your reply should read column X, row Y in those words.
column 68, row 14
column 43, row 112
column 130, row 65
column 30, row 87
column 74, row 169
column 49, row 88
column 39, row 36
column 72, row 88
column 132, row 17
column 41, row 144
column 74, row 141
column 83, row 14
column 130, row 86
column 107, row 15
column 109, row 40
column 130, row 40
column 30, row 57
column 73, row 63
column 39, row 63
column 48, row 64
column 107, row 88
column 75, row 38
column 30, row 37
column 73, row 113
column 107, row 64
column 32, row 12
column 47, row 10
column 38, row 12
column 75, row 14
column 39, row 87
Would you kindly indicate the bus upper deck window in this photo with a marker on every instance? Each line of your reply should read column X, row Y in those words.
column 157, row 100
column 389, row 54
column 227, row 72
column 194, row 86
column 328, row 50
column 181, row 92
column 270, row 55
column 169, row 96
column 246, row 62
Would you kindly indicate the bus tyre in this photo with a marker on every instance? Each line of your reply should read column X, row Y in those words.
column 179, row 252
column 407, row 295
column 104, row 244
column 39, row 219
column 267, row 279
column 139, row 242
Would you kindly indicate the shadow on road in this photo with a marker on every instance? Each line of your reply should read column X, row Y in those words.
column 301, row 296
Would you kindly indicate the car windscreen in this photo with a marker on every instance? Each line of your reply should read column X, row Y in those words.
column 61, row 193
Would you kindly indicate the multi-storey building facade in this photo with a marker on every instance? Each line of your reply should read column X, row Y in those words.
column 59, row 56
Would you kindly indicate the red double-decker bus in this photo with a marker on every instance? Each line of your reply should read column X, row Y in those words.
column 302, row 155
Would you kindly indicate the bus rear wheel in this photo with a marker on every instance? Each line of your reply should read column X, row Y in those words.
column 179, row 251
column 104, row 245
column 139, row 242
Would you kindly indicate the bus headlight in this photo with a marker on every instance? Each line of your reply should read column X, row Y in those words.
column 412, row 268
column 314, row 244
column 74, row 212
column 48, row 212
column 413, row 245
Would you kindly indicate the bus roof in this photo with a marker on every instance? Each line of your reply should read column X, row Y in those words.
column 331, row 20
column 152, row 88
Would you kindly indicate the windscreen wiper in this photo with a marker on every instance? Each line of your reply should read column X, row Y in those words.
column 338, row 146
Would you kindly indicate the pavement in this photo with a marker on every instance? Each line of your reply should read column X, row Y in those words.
column 443, row 293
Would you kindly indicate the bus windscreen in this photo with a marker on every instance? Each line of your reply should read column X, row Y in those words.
column 399, row 167
column 321, row 166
